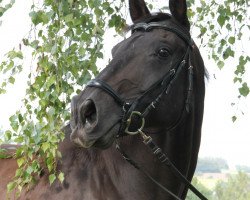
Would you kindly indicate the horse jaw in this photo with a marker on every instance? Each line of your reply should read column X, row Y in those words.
column 104, row 141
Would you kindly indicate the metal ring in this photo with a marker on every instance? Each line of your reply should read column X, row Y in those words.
column 129, row 122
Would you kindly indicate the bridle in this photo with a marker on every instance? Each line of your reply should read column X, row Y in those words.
column 164, row 86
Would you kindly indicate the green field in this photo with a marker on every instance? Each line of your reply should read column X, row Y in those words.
column 209, row 183
column 209, row 180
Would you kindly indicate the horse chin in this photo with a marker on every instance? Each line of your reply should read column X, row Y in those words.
column 107, row 139
column 83, row 143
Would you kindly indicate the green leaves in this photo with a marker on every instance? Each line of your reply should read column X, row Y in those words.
column 220, row 64
column 234, row 118
column 67, row 42
column 52, row 178
column 61, row 177
column 6, row 7
column 240, row 68
column 221, row 20
column 228, row 53
column 11, row 186
column 45, row 146
column 231, row 40
column 10, row 68
column 239, row 73
column 222, row 28
column 15, row 54
column 38, row 17
column 11, row 80
column 117, row 21
column 20, row 162
column 235, row 187
column 244, row 90
column 3, row 154
column 8, row 135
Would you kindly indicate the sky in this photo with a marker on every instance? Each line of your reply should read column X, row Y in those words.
column 220, row 136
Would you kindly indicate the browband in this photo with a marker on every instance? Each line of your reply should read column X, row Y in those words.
column 161, row 25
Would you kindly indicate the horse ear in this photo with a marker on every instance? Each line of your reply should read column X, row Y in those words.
column 178, row 9
column 138, row 9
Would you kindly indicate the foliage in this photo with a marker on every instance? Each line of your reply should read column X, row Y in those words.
column 5, row 7
column 222, row 25
column 205, row 191
column 237, row 187
column 3, row 154
column 212, row 165
column 66, row 41
column 243, row 168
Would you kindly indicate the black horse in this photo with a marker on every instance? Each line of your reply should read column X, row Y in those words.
column 151, row 91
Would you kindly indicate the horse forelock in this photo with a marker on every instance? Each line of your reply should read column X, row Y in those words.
column 155, row 17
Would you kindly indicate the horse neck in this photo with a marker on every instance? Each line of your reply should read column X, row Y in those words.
column 108, row 169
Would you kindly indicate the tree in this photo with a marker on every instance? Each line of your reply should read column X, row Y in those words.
column 223, row 28
column 212, row 165
column 243, row 168
column 237, row 187
column 205, row 191
column 66, row 41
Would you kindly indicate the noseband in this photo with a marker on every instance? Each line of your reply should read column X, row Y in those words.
column 163, row 85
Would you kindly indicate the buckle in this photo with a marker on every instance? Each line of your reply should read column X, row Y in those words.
column 129, row 120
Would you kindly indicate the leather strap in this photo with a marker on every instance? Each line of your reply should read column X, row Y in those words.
column 107, row 88
column 160, row 25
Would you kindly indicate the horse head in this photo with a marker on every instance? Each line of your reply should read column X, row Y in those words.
column 152, row 66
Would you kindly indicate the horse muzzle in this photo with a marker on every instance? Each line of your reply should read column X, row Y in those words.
column 93, row 124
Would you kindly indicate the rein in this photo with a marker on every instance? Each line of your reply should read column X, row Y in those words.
column 165, row 85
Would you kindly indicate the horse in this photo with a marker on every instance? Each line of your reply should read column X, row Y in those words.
column 138, row 123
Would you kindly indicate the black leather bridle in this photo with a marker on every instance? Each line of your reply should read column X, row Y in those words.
column 163, row 85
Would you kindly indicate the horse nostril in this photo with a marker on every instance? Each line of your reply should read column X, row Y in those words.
column 88, row 112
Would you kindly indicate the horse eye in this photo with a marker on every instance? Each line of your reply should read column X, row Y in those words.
column 163, row 53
